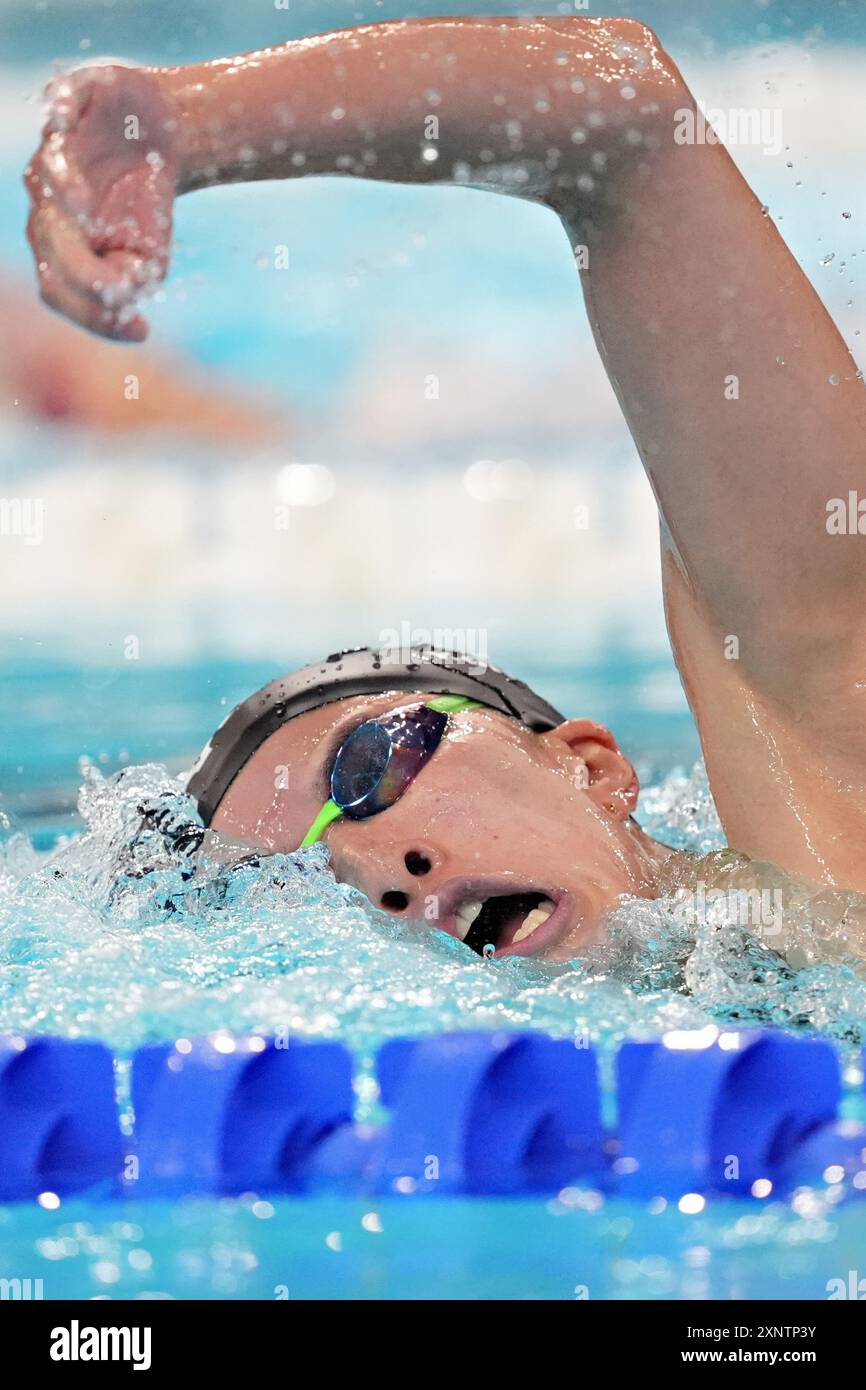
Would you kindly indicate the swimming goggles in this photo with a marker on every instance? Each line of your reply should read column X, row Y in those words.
column 379, row 759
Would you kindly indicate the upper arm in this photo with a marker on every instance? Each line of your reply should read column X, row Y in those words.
column 742, row 398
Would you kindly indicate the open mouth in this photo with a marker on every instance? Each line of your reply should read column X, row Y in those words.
column 501, row 921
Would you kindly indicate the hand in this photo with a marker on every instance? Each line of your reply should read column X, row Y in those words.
column 102, row 186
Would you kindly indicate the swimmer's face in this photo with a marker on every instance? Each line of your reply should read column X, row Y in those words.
column 518, row 822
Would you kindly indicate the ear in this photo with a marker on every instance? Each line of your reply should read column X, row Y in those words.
column 602, row 771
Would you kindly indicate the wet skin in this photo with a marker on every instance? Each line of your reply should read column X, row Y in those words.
column 498, row 810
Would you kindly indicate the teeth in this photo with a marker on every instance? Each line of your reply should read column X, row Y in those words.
column 465, row 916
column 533, row 920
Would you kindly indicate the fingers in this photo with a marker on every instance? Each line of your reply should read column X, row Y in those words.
column 58, row 240
column 53, row 173
column 88, row 312
column 97, row 292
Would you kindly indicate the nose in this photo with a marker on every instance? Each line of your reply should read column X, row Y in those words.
column 394, row 901
column 391, row 880
column 417, row 863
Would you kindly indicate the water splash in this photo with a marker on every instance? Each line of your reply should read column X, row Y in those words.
column 148, row 927
column 680, row 812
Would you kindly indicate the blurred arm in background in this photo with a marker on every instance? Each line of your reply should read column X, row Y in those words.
column 49, row 371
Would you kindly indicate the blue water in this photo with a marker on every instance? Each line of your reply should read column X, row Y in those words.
column 579, row 1246
column 97, row 951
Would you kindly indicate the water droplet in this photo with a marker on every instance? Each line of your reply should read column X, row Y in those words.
column 833, row 379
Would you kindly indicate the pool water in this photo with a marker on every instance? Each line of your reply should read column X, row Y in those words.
column 131, row 931
column 577, row 1246
column 126, row 930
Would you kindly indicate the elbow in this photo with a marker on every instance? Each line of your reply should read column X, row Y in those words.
column 645, row 60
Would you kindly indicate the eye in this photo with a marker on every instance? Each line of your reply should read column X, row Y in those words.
column 377, row 760
column 360, row 764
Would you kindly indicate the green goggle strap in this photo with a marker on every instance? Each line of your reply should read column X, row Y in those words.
column 445, row 704
column 329, row 812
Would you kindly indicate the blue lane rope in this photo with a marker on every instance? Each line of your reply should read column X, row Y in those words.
column 477, row 1113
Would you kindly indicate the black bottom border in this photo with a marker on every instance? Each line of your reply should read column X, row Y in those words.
column 177, row 1336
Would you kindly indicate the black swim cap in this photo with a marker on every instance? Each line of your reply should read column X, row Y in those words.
column 359, row 671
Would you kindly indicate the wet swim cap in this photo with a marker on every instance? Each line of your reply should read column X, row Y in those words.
column 359, row 671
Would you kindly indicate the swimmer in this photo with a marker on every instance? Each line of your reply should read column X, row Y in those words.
column 449, row 793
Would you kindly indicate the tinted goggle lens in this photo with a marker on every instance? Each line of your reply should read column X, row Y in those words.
column 379, row 759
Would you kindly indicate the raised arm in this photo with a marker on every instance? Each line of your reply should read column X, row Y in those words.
column 739, row 392
column 458, row 100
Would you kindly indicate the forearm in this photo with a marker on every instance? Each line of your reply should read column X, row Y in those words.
column 534, row 106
